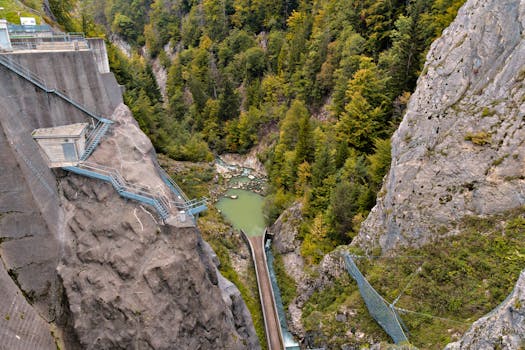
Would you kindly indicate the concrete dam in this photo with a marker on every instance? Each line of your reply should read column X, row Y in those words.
column 83, row 267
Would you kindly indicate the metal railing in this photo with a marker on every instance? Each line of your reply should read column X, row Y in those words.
column 37, row 81
column 191, row 206
column 13, row 28
column 139, row 193
column 172, row 184
column 384, row 313
column 94, row 138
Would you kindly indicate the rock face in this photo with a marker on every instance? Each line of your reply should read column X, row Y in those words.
column 460, row 149
column 503, row 328
column 102, row 271
column 30, row 213
column 132, row 283
column 286, row 243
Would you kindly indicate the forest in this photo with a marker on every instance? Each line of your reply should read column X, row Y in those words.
column 321, row 84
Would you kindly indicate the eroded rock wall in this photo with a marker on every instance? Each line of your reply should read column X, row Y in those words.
column 460, row 149
column 134, row 284
column 131, row 281
column 30, row 213
column 125, row 280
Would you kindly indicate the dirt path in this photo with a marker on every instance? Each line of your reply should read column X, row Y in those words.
column 271, row 319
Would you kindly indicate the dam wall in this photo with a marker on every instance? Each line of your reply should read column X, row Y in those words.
column 30, row 210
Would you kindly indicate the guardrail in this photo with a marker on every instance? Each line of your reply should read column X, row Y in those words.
column 192, row 206
column 37, row 81
column 139, row 193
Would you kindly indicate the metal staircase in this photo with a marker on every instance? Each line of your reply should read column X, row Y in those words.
column 94, row 138
column 195, row 206
column 124, row 189
column 190, row 206
column 172, row 184
column 144, row 195
column 7, row 62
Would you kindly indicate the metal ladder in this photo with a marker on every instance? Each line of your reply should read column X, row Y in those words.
column 94, row 138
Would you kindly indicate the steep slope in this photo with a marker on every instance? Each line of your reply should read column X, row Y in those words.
column 503, row 328
column 132, row 282
column 30, row 212
column 124, row 280
column 459, row 150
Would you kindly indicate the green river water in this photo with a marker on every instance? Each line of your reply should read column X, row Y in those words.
column 244, row 213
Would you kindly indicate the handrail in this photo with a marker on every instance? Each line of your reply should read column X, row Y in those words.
column 185, row 204
column 169, row 181
column 124, row 188
column 36, row 80
column 119, row 181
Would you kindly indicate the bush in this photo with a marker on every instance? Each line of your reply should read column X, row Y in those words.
column 480, row 138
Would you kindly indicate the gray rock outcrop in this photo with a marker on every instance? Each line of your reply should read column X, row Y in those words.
column 503, row 328
column 288, row 246
column 460, row 149
column 30, row 213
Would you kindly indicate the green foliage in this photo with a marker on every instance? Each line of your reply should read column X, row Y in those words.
column 379, row 162
column 124, row 26
column 13, row 10
column 61, row 10
column 458, row 278
column 237, row 67
column 322, row 83
column 480, row 138
column 286, row 283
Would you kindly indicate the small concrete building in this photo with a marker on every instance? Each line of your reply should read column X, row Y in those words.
column 62, row 145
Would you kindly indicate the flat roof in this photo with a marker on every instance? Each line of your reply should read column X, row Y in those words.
column 70, row 130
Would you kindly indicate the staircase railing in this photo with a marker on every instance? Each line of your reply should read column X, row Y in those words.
column 172, row 184
column 94, row 138
column 40, row 83
column 191, row 206
column 139, row 193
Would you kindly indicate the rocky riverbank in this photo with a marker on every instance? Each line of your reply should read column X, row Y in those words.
column 237, row 176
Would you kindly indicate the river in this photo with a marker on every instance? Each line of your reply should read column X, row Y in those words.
column 245, row 212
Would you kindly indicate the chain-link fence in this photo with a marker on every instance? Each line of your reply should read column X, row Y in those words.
column 378, row 308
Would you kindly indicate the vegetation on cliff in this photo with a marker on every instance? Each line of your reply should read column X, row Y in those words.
column 447, row 285
column 331, row 77
column 327, row 83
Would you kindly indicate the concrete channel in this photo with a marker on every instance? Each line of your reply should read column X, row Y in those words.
column 272, row 326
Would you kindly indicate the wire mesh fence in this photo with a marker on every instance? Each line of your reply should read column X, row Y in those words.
column 384, row 314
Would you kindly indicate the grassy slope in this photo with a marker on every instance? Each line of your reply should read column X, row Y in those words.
column 460, row 279
column 13, row 10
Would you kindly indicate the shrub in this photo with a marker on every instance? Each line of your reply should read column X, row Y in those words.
column 480, row 138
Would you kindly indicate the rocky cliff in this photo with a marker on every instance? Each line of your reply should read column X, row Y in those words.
column 460, row 149
column 101, row 271
column 287, row 244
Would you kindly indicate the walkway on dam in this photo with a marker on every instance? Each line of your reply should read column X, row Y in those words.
column 271, row 317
